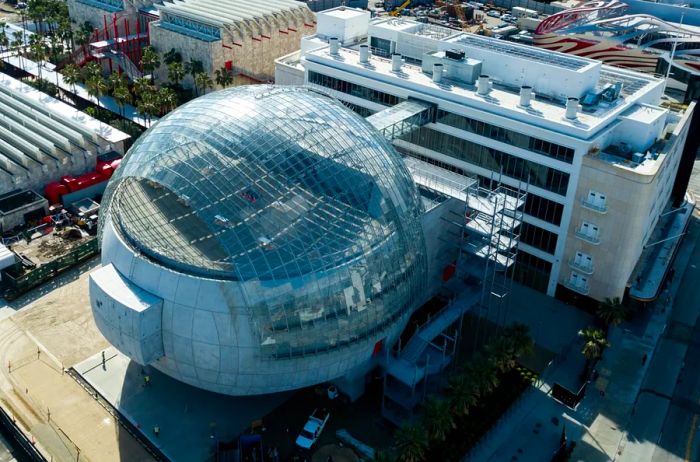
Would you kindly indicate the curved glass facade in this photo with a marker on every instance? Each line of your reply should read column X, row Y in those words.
column 288, row 194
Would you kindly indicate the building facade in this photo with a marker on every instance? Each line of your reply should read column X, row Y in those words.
column 565, row 126
column 240, row 36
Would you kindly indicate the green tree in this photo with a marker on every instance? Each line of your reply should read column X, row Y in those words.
column 122, row 96
column 202, row 81
column 91, row 71
column 97, row 87
column 594, row 342
column 194, row 67
column 150, row 61
column 411, row 443
column 4, row 40
column 71, row 75
column 462, row 394
column 223, row 77
column 484, row 375
column 116, row 80
column 141, row 85
column 612, row 312
column 167, row 99
column 18, row 44
column 438, row 419
column 176, row 72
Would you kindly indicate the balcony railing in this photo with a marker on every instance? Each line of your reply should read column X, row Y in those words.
column 592, row 239
column 580, row 267
column 582, row 289
column 595, row 207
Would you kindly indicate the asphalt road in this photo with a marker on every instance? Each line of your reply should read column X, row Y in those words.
column 679, row 438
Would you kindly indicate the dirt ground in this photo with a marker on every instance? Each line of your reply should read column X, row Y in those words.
column 45, row 248
column 50, row 333
column 8, row 13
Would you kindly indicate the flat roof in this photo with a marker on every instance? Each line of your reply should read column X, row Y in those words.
column 343, row 13
column 502, row 100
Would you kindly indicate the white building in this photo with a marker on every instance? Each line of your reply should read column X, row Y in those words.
column 43, row 139
column 597, row 151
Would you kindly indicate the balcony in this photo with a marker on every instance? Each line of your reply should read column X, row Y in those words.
column 585, row 237
column 581, row 289
column 600, row 208
column 581, row 268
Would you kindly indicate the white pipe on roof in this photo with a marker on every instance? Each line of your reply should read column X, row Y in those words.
column 42, row 143
column 23, row 121
column 14, row 155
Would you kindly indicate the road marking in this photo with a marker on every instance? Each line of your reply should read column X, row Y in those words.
column 689, row 443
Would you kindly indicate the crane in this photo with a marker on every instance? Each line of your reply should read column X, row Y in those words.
column 400, row 8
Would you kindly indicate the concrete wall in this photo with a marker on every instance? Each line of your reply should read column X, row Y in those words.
column 288, row 71
column 635, row 199
column 251, row 56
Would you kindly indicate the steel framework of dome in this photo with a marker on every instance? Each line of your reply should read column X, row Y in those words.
column 281, row 209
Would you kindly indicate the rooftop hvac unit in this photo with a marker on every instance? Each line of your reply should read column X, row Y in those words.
column 455, row 54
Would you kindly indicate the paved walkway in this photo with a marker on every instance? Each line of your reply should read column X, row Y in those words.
column 532, row 428
column 106, row 102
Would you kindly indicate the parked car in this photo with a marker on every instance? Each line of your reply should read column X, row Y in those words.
column 313, row 428
column 493, row 14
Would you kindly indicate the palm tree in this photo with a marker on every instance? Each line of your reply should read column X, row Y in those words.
column 116, row 80
column 167, row 99
column 612, row 312
column 38, row 50
column 176, row 72
column 18, row 43
column 383, row 455
column 172, row 56
column 141, row 85
column 484, row 375
column 71, row 75
column 4, row 41
column 202, row 80
column 92, row 70
column 438, row 418
column 122, row 96
column 150, row 61
column 411, row 443
column 194, row 67
column 594, row 342
column 96, row 86
column 462, row 394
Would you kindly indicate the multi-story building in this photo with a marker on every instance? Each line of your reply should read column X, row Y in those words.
column 597, row 151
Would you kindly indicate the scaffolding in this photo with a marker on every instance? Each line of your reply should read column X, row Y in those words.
column 486, row 232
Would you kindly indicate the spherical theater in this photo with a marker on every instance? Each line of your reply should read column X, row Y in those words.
column 259, row 239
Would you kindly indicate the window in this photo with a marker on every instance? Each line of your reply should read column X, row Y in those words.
column 578, row 280
column 353, row 89
column 519, row 140
column 583, row 261
column 596, row 201
column 544, row 209
column 589, row 232
column 538, row 238
column 491, row 159
column 532, row 271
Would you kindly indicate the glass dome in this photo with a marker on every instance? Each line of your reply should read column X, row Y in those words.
column 263, row 182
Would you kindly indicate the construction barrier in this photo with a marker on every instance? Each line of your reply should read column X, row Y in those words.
column 17, row 281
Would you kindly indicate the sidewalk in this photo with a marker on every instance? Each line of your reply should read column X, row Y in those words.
column 606, row 437
column 531, row 429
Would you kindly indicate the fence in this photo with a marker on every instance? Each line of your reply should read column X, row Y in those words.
column 17, row 281
column 19, row 441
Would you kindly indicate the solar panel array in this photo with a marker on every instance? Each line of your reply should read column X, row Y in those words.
column 531, row 53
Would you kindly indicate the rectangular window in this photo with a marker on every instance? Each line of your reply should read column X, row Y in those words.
column 491, row 159
column 353, row 89
column 538, row 238
column 519, row 140
column 532, row 271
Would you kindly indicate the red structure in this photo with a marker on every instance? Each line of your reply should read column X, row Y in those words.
column 55, row 191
